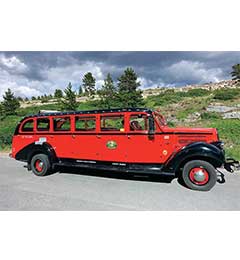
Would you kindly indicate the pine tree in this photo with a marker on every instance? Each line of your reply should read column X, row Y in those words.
column 10, row 103
column 236, row 72
column 1, row 110
column 89, row 84
column 80, row 91
column 58, row 93
column 108, row 93
column 128, row 95
column 20, row 99
column 69, row 100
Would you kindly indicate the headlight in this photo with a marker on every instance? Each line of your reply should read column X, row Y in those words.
column 221, row 145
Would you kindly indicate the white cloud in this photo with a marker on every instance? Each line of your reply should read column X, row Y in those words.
column 146, row 83
column 55, row 77
column 60, row 76
column 13, row 64
column 193, row 71
column 25, row 91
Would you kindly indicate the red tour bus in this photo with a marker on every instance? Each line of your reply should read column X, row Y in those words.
column 134, row 140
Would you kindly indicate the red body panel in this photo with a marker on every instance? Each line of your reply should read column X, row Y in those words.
column 129, row 146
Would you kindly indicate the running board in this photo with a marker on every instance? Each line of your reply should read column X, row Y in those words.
column 114, row 166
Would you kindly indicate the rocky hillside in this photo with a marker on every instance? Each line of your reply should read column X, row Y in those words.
column 207, row 86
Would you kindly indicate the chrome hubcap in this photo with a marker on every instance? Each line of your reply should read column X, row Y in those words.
column 199, row 176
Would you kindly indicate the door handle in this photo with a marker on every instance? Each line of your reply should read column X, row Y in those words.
column 98, row 136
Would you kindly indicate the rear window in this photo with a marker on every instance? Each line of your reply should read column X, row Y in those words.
column 112, row 123
column 85, row 123
column 61, row 124
column 43, row 124
column 28, row 126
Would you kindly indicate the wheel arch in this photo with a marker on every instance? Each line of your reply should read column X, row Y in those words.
column 32, row 149
column 195, row 151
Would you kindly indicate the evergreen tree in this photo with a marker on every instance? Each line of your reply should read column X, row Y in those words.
column 33, row 98
column 69, row 100
column 1, row 110
column 10, row 103
column 108, row 93
column 20, row 99
column 236, row 72
column 89, row 84
column 58, row 93
column 44, row 98
column 80, row 91
column 128, row 94
column 26, row 99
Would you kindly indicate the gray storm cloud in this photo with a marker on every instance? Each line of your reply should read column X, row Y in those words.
column 36, row 73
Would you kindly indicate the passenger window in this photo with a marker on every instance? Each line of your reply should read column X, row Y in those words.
column 28, row 126
column 43, row 124
column 61, row 124
column 138, row 122
column 112, row 123
column 85, row 123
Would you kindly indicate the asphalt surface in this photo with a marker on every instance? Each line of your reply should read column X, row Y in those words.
column 80, row 190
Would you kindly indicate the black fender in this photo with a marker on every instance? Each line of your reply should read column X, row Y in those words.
column 195, row 151
column 30, row 150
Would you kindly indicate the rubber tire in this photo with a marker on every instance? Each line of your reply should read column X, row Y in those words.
column 207, row 166
column 46, row 164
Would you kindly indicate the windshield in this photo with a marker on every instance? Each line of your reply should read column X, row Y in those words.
column 160, row 118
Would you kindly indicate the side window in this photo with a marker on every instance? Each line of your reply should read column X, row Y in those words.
column 138, row 122
column 28, row 126
column 43, row 124
column 112, row 123
column 85, row 123
column 61, row 124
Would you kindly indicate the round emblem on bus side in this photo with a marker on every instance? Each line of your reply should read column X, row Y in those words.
column 111, row 145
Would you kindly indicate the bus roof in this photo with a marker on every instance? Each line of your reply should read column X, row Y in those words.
column 97, row 111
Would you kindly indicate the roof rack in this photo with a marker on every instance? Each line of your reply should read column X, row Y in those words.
column 115, row 110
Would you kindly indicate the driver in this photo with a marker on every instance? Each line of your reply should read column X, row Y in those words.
column 134, row 125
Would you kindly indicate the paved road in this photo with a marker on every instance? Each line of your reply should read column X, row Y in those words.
column 71, row 190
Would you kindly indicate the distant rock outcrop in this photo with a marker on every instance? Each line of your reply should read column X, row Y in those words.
column 225, row 111
column 207, row 86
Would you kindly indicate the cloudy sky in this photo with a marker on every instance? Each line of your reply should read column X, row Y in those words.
column 36, row 73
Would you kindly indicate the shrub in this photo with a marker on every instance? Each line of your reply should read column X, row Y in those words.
column 197, row 92
column 226, row 93
column 5, row 140
column 210, row 115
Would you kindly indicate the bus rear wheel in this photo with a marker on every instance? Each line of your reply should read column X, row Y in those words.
column 40, row 164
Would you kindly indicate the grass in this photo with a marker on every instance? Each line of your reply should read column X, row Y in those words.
column 229, row 132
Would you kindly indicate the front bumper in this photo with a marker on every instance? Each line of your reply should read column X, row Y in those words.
column 231, row 165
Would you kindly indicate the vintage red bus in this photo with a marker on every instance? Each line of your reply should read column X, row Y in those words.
column 135, row 140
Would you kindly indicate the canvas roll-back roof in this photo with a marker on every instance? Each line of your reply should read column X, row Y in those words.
column 85, row 112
